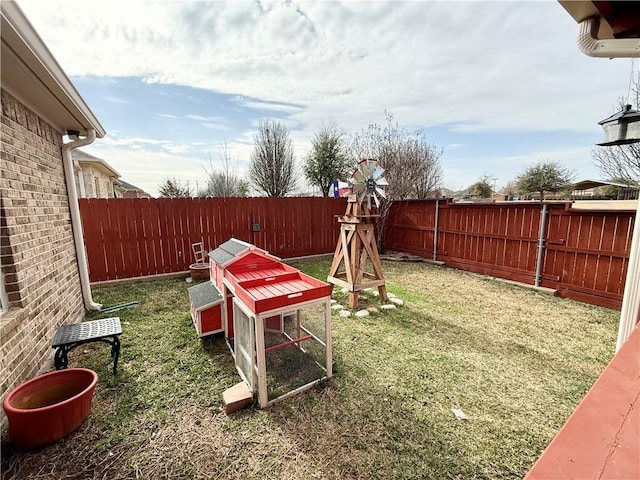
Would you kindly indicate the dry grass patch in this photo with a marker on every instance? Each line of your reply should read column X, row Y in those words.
column 515, row 360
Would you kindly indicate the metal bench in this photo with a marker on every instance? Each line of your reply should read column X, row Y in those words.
column 69, row 337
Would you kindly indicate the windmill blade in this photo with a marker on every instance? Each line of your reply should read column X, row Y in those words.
column 361, row 196
column 378, row 172
column 375, row 197
column 380, row 192
column 358, row 176
column 366, row 169
column 382, row 182
column 358, row 187
column 369, row 202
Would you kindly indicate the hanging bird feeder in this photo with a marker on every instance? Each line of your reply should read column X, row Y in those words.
column 621, row 128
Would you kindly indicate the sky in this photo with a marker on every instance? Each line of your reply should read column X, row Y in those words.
column 498, row 86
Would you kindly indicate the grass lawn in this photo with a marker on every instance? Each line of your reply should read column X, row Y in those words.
column 515, row 360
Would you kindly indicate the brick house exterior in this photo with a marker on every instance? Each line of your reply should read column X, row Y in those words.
column 41, row 281
column 38, row 254
column 94, row 177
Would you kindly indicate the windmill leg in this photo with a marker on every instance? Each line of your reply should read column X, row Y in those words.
column 353, row 300
column 337, row 256
column 371, row 248
column 382, row 292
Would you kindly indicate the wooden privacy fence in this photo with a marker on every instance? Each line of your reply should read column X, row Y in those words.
column 583, row 254
column 127, row 238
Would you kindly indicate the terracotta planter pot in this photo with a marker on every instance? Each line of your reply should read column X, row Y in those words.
column 199, row 271
column 49, row 407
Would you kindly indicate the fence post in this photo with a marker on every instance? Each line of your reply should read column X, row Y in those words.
column 543, row 219
column 435, row 233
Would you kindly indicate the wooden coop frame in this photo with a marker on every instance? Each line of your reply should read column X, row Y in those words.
column 251, row 357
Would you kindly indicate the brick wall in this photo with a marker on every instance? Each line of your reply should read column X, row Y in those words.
column 37, row 251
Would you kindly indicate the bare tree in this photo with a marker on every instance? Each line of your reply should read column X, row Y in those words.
column 272, row 168
column 621, row 162
column 327, row 160
column 430, row 180
column 412, row 164
column 172, row 188
column 225, row 182
column 510, row 188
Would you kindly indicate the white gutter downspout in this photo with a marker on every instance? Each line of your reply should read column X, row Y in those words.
column 631, row 300
column 78, row 235
column 590, row 45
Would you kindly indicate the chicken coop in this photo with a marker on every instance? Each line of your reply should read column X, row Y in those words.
column 275, row 318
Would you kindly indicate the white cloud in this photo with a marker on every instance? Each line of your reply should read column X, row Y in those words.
column 113, row 99
column 177, row 148
column 478, row 64
column 201, row 118
column 467, row 66
column 147, row 168
column 272, row 106
column 114, row 139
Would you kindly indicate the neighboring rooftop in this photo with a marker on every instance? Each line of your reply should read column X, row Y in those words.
column 132, row 191
column 84, row 157
column 587, row 184
column 128, row 186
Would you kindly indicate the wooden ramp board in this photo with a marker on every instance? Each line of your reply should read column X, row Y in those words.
column 236, row 398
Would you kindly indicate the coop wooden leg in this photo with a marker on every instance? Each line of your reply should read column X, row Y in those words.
column 261, row 358
column 327, row 339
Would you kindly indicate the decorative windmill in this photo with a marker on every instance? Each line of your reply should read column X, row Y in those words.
column 357, row 241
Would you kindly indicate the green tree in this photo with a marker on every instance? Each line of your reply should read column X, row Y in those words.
column 172, row 188
column 272, row 168
column 482, row 188
column 327, row 160
column 544, row 177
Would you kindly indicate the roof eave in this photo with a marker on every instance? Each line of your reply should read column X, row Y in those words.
column 31, row 73
column 101, row 164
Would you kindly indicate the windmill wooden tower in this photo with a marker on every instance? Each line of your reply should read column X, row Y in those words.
column 357, row 242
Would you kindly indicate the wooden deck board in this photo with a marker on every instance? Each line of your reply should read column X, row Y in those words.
column 600, row 439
